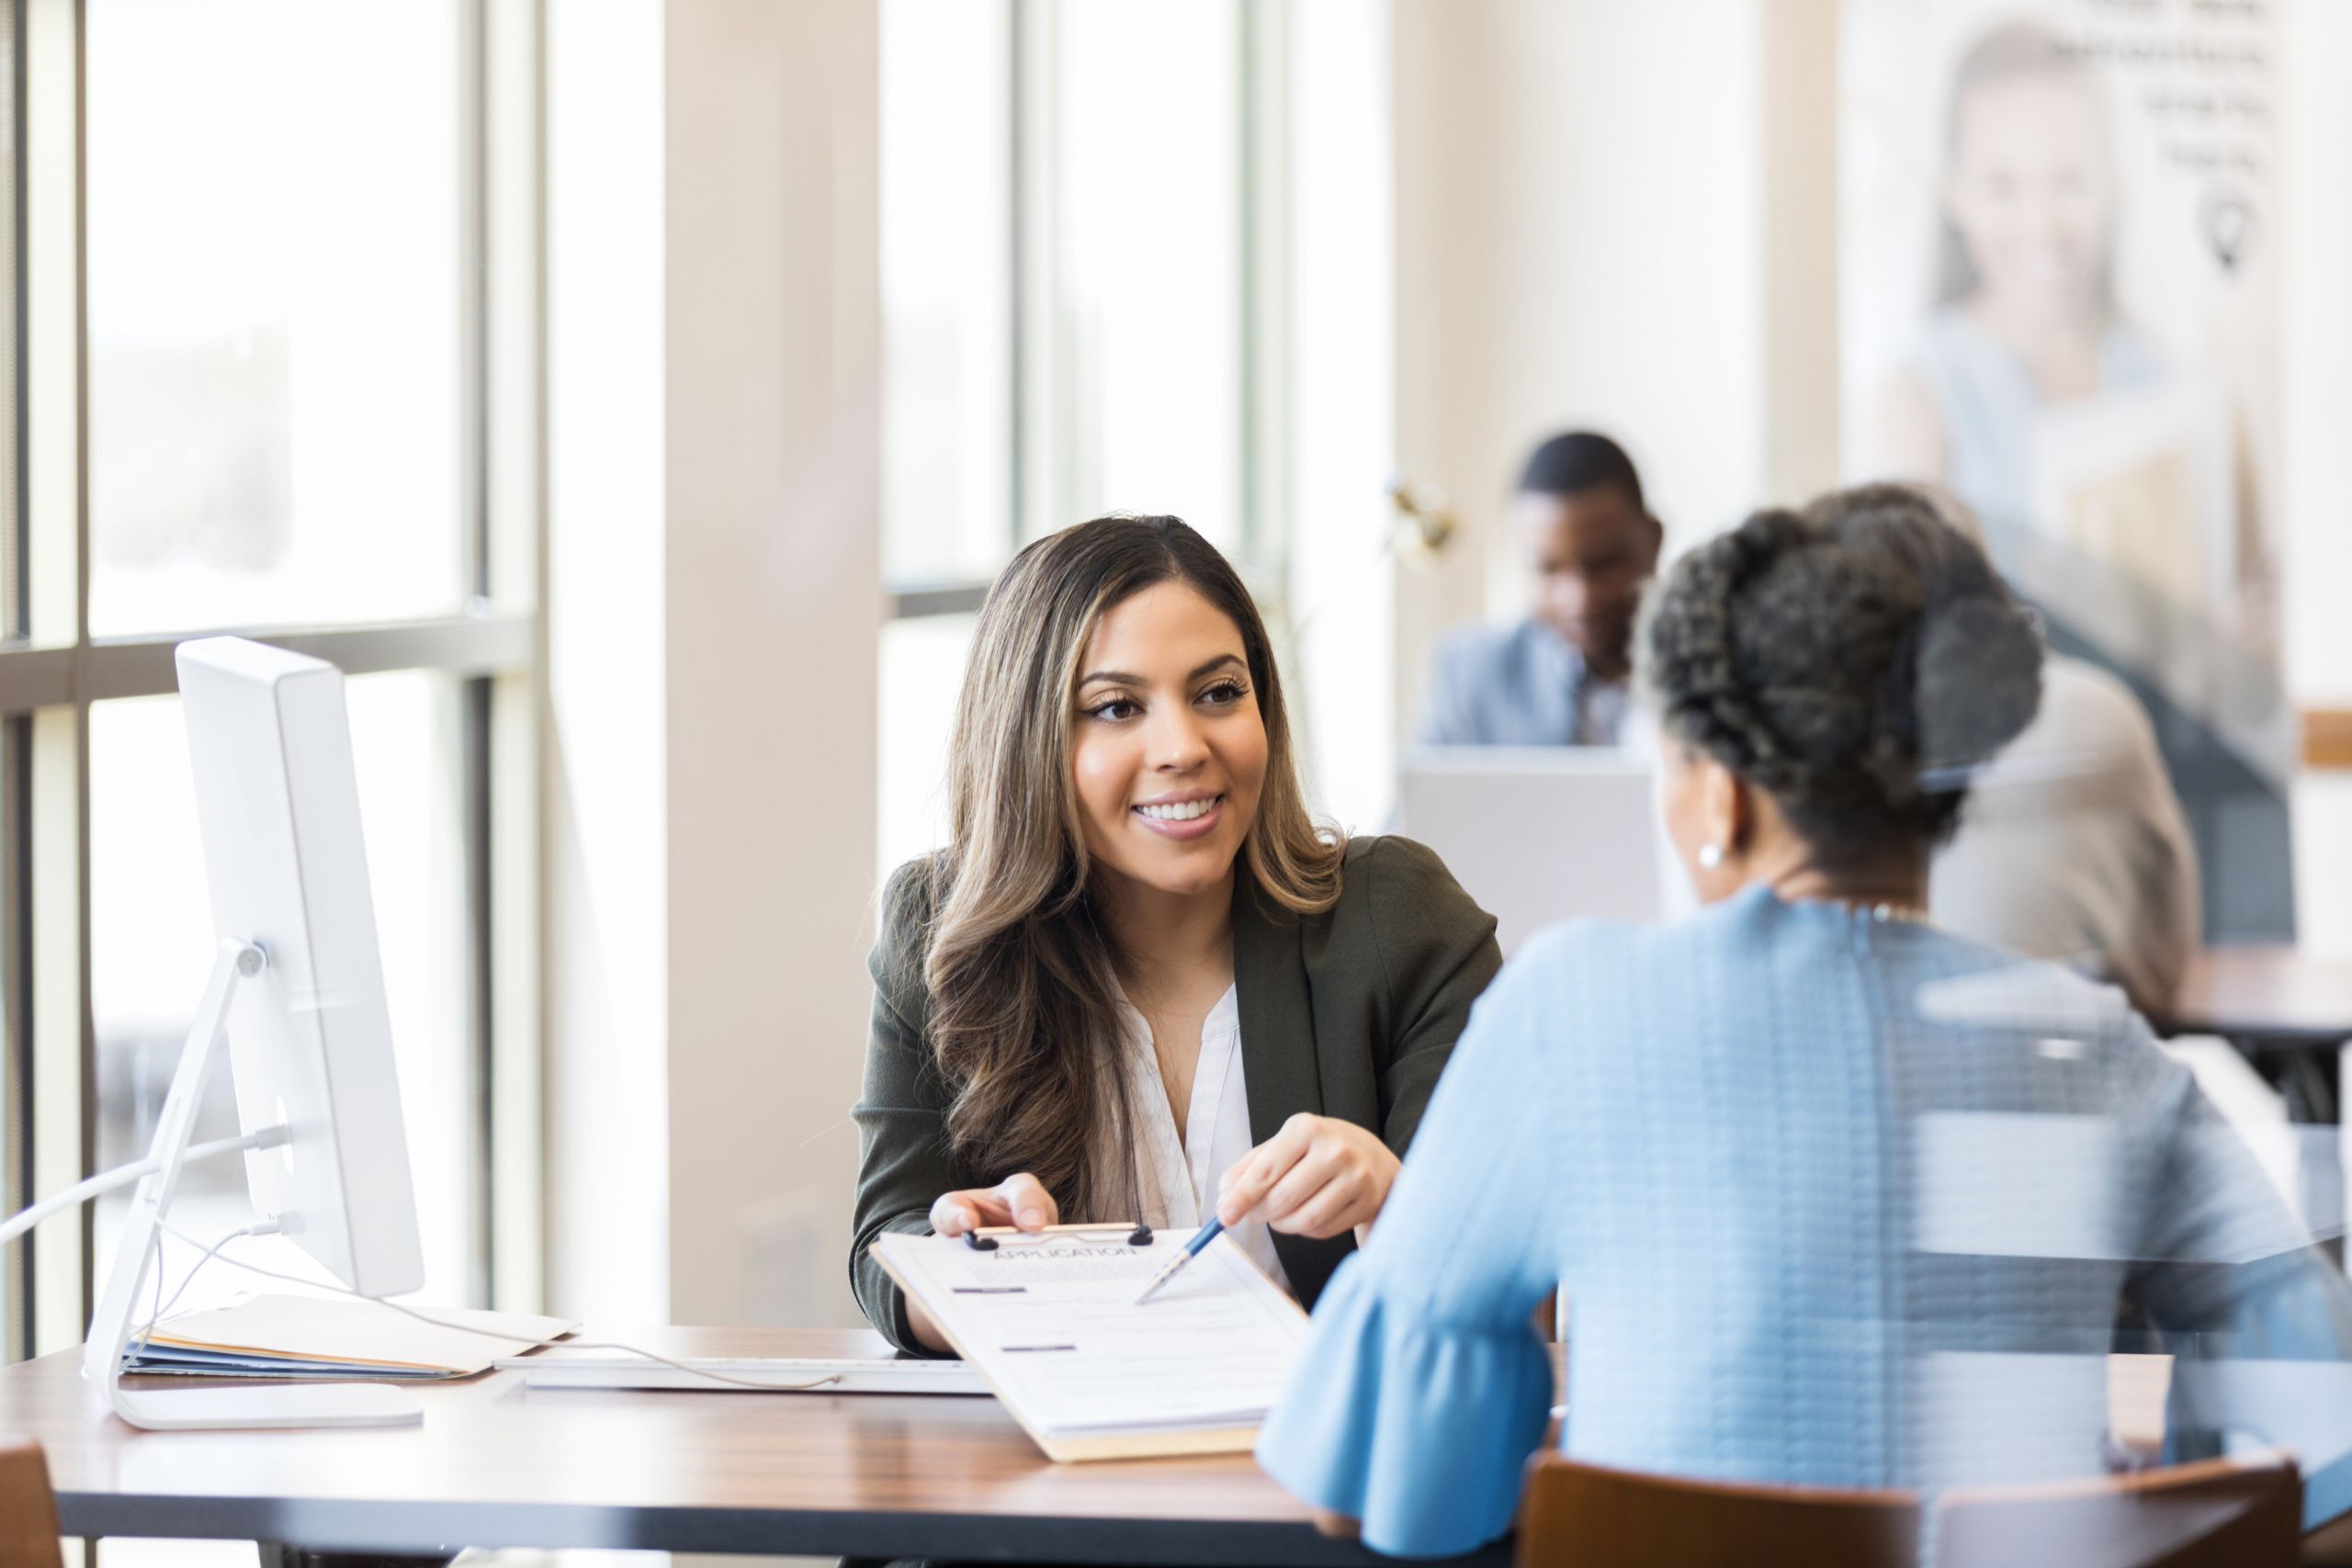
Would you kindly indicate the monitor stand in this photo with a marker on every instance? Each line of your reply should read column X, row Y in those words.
column 331, row 1405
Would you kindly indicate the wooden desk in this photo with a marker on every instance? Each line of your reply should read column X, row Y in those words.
column 2273, row 995
column 2287, row 1010
column 498, row 1465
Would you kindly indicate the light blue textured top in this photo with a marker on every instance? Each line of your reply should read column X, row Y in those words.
column 1835, row 1200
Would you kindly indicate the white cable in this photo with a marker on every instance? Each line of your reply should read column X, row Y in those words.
column 139, row 1339
column 124, row 1175
column 510, row 1338
column 156, row 1263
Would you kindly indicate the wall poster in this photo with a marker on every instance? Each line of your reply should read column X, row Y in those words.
column 2059, row 298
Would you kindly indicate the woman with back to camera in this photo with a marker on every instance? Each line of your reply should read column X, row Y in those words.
column 1837, row 1199
column 1138, row 983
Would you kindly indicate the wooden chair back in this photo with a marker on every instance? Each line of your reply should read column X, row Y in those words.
column 1581, row 1516
column 2225, row 1513
column 27, row 1507
column 2232, row 1513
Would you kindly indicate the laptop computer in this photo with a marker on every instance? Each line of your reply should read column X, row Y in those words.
column 1542, row 834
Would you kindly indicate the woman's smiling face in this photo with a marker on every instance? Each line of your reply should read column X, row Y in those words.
column 1169, row 748
column 2032, row 194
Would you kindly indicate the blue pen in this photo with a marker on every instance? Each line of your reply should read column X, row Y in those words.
column 1208, row 1233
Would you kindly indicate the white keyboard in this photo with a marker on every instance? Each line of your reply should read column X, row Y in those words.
column 776, row 1374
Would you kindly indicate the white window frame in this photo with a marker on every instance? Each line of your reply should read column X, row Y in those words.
column 52, row 670
column 1039, row 502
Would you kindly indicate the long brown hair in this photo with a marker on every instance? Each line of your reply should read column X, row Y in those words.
column 1024, row 1014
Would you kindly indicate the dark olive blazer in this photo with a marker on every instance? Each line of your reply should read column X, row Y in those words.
column 1350, row 1014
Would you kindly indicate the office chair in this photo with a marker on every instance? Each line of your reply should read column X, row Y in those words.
column 27, row 1507
column 2234, row 1513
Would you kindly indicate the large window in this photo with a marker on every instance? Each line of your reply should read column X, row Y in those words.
column 1065, row 238
column 276, row 337
column 1146, row 279
column 947, row 289
column 279, row 357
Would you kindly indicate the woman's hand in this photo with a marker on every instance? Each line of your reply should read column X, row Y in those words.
column 1018, row 1200
column 1337, row 1527
column 1315, row 1178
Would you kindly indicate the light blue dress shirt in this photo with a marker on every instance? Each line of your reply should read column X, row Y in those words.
column 1835, row 1201
column 1517, row 685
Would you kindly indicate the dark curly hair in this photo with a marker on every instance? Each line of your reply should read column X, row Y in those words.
column 1855, row 660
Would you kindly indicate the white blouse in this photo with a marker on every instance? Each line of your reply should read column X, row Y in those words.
column 1177, row 1178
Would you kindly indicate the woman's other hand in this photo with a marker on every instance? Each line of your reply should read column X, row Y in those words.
column 1337, row 1527
column 1018, row 1200
column 1315, row 1178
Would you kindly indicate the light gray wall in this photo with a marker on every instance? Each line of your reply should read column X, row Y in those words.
column 1580, row 221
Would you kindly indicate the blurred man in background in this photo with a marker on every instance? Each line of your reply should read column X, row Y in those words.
column 1560, row 676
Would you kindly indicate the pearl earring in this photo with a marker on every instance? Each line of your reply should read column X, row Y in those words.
column 1711, row 856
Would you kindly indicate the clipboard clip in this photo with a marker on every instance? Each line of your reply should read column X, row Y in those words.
column 984, row 1239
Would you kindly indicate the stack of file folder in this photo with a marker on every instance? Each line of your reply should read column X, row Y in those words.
column 336, row 1337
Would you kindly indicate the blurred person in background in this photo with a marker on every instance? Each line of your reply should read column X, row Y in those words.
column 1560, row 676
column 2073, row 846
column 1837, row 1198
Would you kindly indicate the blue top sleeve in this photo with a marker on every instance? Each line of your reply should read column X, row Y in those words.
column 1424, row 1386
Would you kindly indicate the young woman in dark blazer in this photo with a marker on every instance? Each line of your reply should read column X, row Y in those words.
column 1139, row 983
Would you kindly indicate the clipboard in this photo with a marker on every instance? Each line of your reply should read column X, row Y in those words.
column 1235, row 1278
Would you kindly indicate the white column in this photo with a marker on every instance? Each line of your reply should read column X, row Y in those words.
column 606, row 889
column 2316, row 234
column 713, row 611
column 773, row 580
column 1340, row 412
column 1799, row 86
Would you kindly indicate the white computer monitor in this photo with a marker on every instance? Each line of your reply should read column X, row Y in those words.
column 298, row 985
column 1542, row 834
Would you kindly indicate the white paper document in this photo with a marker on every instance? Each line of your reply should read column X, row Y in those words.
column 1053, row 1326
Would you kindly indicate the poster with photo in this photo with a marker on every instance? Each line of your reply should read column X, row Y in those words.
column 2059, row 299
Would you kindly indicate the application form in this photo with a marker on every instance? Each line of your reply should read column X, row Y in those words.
column 1053, row 1327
